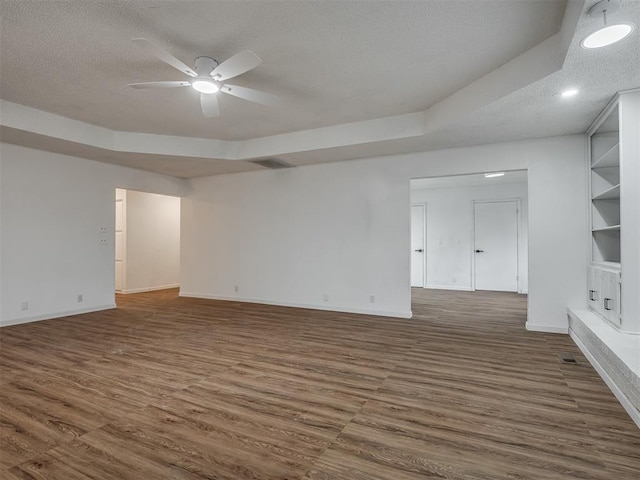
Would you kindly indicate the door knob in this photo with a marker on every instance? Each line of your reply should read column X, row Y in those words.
column 419, row 250
column 479, row 251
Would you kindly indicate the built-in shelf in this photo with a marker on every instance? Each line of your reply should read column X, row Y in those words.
column 609, row 159
column 604, row 169
column 610, row 228
column 609, row 193
column 607, row 264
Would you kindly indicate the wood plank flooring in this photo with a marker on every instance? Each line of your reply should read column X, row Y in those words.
column 174, row 388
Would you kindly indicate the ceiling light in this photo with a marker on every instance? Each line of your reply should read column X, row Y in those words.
column 204, row 85
column 609, row 33
column 493, row 174
column 572, row 92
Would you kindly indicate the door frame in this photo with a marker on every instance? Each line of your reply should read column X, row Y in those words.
column 424, row 241
column 518, row 201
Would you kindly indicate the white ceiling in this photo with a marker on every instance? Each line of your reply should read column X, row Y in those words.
column 356, row 78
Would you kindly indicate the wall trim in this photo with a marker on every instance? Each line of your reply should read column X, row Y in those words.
column 334, row 308
column 49, row 316
column 148, row 289
column 545, row 328
column 619, row 394
column 449, row 287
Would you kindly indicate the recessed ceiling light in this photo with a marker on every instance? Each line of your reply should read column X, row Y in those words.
column 572, row 92
column 204, row 85
column 493, row 174
column 609, row 33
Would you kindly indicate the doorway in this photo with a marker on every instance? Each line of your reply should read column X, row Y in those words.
column 496, row 245
column 147, row 241
column 449, row 258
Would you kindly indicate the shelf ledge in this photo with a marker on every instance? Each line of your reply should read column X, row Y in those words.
column 609, row 193
column 610, row 228
column 602, row 263
column 609, row 159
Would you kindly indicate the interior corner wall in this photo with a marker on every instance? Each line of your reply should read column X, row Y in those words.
column 340, row 231
column 450, row 230
column 152, row 237
column 52, row 210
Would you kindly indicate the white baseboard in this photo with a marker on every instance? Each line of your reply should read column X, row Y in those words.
column 449, row 287
column 619, row 394
column 333, row 308
column 148, row 289
column 545, row 328
column 49, row 316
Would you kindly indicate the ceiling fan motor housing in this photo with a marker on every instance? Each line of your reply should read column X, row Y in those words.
column 205, row 65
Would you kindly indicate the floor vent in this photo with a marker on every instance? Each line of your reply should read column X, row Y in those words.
column 272, row 163
column 568, row 358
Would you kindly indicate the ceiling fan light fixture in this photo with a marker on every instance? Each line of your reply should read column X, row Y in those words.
column 204, row 85
column 207, row 77
column 608, row 34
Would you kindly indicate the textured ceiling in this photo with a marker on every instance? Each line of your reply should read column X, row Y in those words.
column 331, row 62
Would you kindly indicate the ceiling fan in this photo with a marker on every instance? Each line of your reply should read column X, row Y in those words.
column 207, row 77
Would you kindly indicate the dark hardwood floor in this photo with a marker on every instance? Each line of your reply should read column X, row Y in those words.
column 175, row 388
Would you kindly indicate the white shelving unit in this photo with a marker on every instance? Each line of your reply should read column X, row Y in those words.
column 604, row 174
column 605, row 189
column 608, row 332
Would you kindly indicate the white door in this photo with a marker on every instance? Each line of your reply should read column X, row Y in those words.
column 496, row 246
column 417, row 245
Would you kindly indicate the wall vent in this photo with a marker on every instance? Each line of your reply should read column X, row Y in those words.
column 272, row 163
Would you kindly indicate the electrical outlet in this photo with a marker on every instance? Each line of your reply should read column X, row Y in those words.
column 103, row 229
column 372, row 299
column 454, row 279
column 24, row 306
column 236, row 288
column 80, row 298
column 326, row 297
column 103, row 241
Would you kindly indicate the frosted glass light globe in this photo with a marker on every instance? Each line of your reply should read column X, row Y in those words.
column 205, row 86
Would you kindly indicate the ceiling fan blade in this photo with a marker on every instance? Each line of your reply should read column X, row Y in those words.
column 159, row 84
column 163, row 55
column 236, row 65
column 209, row 104
column 250, row 94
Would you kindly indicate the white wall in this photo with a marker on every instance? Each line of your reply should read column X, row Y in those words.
column 152, row 236
column 289, row 237
column 292, row 237
column 342, row 229
column 450, row 228
column 52, row 209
